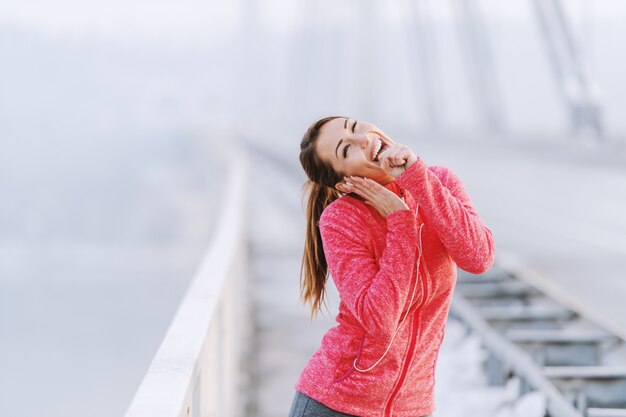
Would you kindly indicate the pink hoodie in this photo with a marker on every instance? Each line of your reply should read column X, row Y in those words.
column 373, row 263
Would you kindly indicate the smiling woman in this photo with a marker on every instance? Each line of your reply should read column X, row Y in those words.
column 391, row 231
column 354, row 148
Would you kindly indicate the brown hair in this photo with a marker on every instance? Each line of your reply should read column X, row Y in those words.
column 321, row 191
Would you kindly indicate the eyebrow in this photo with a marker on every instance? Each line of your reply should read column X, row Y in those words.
column 338, row 145
column 345, row 126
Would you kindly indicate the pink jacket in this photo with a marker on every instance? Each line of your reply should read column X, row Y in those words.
column 373, row 263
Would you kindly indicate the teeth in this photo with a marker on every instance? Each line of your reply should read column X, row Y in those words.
column 376, row 150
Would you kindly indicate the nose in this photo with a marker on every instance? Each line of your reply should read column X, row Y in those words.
column 364, row 142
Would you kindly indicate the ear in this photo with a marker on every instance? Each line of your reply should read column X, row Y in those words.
column 341, row 186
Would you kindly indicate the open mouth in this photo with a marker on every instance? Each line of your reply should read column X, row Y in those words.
column 378, row 149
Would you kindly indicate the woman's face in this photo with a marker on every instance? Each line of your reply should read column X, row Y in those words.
column 352, row 147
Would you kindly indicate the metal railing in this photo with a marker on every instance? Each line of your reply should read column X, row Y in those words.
column 196, row 370
column 547, row 346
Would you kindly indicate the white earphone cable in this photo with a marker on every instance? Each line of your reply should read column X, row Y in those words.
column 419, row 257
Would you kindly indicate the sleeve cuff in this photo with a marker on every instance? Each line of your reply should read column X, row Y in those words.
column 410, row 177
column 402, row 220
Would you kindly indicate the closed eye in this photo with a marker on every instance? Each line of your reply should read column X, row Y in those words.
column 345, row 151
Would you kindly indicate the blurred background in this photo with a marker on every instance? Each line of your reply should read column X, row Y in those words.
column 111, row 111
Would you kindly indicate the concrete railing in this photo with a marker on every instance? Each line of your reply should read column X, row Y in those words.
column 196, row 371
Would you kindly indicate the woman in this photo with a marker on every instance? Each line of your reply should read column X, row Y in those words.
column 390, row 231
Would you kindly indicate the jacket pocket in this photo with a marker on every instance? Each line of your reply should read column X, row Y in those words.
column 350, row 360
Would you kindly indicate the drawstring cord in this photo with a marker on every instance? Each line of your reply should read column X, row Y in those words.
column 419, row 257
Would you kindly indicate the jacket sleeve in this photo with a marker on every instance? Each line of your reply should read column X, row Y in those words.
column 448, row 208
column 374, row 292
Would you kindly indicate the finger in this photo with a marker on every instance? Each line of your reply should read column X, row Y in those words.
column 389, row 157
column 400, row 161
column 345, row 186
column 377, row 196
column 372, row 190
column 385, row 154
column 397, row 156
column 366, row 188
column 359, row 184
column 388, row 203
column 377, row 191
column 387, row 165
column 367, row 183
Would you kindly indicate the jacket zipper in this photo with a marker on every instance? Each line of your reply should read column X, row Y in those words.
column 405, row 368
column 407, row 362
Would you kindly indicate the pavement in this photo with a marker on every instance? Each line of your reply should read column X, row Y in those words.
column 284, row 336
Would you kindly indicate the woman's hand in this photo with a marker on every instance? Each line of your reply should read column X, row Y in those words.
column 379, row 197
column 396, row 159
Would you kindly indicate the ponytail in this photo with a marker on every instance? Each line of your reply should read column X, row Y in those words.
column 314, row 268
column 321, row 192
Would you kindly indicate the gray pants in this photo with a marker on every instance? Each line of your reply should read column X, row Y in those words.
column 305, row 406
